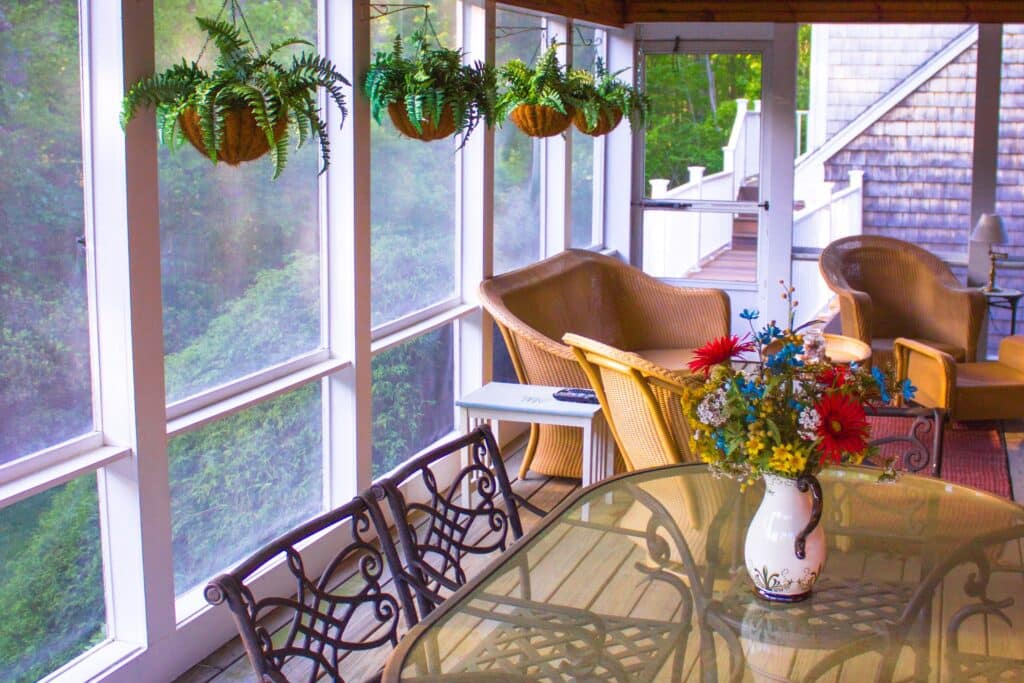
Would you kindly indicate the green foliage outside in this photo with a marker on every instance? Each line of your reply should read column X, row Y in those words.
column 693, row 100
column 51, row 585
column 694, row 105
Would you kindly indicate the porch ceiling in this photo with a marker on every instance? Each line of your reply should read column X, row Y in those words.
column 620, row 12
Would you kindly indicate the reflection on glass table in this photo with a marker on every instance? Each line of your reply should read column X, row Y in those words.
column 924, row 580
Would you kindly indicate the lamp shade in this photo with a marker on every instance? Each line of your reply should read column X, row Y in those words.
column 990, row 230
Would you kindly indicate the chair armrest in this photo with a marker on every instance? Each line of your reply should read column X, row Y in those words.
column 656, row 315
column 1011, row 352
column 855, row 311
column 931, row 371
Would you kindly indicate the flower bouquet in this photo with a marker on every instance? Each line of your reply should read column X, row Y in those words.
column 784, row 417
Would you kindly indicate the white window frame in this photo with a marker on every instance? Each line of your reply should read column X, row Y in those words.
column 153, row 634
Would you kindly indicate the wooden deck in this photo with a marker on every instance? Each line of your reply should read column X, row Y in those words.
column 731, row 265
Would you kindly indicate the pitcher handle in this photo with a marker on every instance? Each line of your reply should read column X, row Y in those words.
column 803, row 483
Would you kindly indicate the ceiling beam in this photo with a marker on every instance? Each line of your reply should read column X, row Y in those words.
column 827, row 11
column 603, row 12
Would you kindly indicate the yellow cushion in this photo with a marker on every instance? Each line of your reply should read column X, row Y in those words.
column 989, row 391
column 670, row 359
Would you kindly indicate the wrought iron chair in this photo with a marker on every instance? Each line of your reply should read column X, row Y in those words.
column 439, row 529
column 310, row 630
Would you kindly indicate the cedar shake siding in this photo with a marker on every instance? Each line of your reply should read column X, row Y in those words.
column 917, row 160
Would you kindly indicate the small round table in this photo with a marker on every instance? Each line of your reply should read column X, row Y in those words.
column 1006, row 299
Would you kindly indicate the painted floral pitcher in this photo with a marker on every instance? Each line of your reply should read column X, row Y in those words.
column 785, row 546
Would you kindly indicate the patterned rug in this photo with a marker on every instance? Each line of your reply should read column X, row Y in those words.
column 972, row 453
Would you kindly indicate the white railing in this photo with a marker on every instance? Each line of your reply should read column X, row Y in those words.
column 840, row 215
column 742, row 153
column 678, row 242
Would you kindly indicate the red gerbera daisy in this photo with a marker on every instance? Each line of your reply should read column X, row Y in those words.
column 843, row 428
column 833, row 376
column 717, row 351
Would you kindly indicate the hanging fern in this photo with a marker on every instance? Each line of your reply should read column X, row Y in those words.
column 601, row 93
column 282, row 100
column 546, row 84
column 426, row 80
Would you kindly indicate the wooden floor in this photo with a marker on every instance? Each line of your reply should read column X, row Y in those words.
column 733, row 265
column 228, row 663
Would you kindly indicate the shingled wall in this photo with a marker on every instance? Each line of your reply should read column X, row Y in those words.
column 917, row 161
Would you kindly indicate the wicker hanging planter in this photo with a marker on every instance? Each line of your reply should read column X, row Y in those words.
column 444, row 128
column 607, row 120
column 243, row 139
column 540, row 121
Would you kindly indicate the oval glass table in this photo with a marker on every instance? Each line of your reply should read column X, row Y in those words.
column 641, row 578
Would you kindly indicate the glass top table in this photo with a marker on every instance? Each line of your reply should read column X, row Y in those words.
column 641, row 578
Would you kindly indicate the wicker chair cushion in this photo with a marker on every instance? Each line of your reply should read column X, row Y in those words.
column 671, row 359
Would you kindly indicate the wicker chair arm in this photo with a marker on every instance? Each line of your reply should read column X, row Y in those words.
column 1011, row 352
column 931, row 371
column 855, row 310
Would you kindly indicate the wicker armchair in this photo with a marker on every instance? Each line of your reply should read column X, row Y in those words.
column 602, row 298
column 986, row 390
column 889, row 288
column 641, row 402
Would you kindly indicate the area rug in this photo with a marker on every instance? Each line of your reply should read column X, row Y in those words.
column 972, row 453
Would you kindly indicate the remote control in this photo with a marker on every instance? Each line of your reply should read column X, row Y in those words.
column 576, row 395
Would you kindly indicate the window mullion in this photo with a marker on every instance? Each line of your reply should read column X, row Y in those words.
column 475, row 336
column 347, row 394
column 557, row 159
column 123, row 227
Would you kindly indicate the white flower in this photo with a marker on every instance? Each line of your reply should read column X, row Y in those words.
column 810, row 420
column 711, row 410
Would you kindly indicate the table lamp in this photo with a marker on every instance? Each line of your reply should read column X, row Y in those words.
column 991, row 231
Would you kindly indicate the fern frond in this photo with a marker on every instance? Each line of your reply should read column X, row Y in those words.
column 279, row 153
column 227, row 38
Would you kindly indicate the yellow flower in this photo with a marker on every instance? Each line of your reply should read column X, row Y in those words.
column 786, row 460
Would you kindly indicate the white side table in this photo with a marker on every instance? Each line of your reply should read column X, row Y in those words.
column 536, row 404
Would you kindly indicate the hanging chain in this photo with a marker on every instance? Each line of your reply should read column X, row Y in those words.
column 236, row 14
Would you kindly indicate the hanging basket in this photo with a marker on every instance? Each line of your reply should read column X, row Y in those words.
column 540, row 121
column 243, row 140
column 444, row 128
column 607, row 120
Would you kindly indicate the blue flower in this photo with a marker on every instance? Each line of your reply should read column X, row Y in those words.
column 787, row 355
column 769, row 333
column 750, row 314
column 880, row 381
column 720, row 439
column 908, row 390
